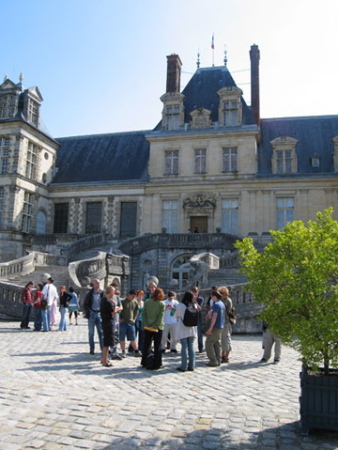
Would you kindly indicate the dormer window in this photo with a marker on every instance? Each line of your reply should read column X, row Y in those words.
column 173, row 111
column 315, row 162
column 33, row 112
column 284, row 158
column 7, row 106
column 230, row 108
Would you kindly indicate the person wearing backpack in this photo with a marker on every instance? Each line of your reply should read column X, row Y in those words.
column 187, row 316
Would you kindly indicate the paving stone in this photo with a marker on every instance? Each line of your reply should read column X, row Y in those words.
column 54, row 395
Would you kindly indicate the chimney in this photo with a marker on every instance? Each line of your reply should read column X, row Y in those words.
column 174, row 65
column 254, row 57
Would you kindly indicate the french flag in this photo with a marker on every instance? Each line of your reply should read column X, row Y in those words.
column 212, row 42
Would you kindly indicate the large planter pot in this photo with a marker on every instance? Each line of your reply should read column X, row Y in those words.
column 319, row 400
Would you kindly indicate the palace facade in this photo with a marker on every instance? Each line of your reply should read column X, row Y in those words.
column 211, row 165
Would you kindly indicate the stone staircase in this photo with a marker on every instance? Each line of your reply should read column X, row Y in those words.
column 225, row 277
column 59, row 273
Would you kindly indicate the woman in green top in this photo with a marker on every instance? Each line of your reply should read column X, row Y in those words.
column 153, row 324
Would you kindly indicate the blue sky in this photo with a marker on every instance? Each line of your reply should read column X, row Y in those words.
column 100, row 65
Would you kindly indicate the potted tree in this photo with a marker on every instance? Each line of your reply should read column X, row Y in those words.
column 296, row 279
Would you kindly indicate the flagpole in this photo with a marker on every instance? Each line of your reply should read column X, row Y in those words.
column 213, row 50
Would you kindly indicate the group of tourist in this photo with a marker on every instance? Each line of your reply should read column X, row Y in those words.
column 45, row 300
column 151, row 323
column 155, row 323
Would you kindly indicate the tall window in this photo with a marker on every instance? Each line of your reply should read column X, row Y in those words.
column 128, row 220
column 171, row 162
column 285, row 212
column 230, row 216
column 230, row 159
column 41, row 221
column 7, row 106
column 31, row 161
column 173, row 117
column 27, row 212
column 94, row 217
column 230, row 113
column 61, row 217
column 200, row 161
column 2, row 207
column 170, row 216
column 33, row 112
column 4, row 154
column 284, row 161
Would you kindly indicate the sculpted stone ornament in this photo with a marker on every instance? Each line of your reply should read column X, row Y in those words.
column 200, row 201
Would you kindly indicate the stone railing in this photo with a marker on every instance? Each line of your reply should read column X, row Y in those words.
column 206, row 241
column 20, row 266
column 83, row 244
column 10, row 301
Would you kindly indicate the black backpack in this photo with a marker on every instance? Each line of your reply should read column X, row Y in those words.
column 190, row 318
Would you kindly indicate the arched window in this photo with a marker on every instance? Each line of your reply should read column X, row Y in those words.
column 41, row 220
column 180, row 268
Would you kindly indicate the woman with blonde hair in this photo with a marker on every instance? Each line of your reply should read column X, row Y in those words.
column 153, row 325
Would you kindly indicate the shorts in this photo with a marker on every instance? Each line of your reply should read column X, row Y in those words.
column 127, row 329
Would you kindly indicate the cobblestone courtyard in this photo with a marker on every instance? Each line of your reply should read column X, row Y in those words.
column 54, row 395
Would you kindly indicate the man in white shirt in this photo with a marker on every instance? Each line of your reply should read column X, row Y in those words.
column 49, row 293
column 170, row 322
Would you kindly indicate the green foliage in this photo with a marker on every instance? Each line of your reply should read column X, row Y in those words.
column 296, row 278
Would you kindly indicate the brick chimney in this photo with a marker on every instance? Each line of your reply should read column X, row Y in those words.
column 174, row 65
column 254, row 57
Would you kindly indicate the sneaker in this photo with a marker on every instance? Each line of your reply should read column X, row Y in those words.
column 173, row 350
column 163, row 350
column 123, row 354
column 116, row 357
column 137, row 353
column 91, row 352
column 211, row 365
column 276, row 361
column 263, row 360
column 180, row 369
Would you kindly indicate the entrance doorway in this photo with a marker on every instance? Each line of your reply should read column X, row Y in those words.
column 199, row 224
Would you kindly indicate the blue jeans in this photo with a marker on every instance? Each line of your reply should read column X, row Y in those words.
column 188, row 350
column 25, row 315
column 45, row 319
column 63, row 321
column 94, row 321
column 37, row 319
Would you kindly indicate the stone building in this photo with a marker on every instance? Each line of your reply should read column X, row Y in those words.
column 211, row 170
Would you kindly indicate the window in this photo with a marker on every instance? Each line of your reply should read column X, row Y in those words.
column 284, row 161
column 2, row 207
column 27, row 212
column 230, row 159
column 7, row 106
column 94, row 217
column 41, row 220
column 200, row 161
column 230, row 113
column 170, row 216
column 4, row 153
column 230, row 216
column 285, row 208
column 284, row 158
column 31, row 161
column 180, row 269
column 128, row 219
column 61, row 217
column 33, row 112
column 173, row 117
column 171, row 162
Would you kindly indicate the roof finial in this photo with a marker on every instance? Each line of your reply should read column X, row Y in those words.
column 21, row 77
column 225, row 55
column 198, row 59
column 5, row 77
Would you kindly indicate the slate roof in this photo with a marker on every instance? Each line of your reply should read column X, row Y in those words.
column 113, row 158
column 201, row 91
column 314, row 135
